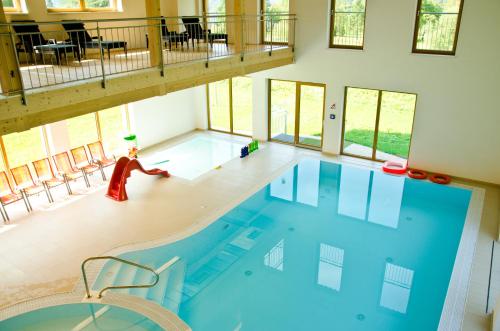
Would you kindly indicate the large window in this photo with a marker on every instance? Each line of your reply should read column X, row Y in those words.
column 80, row 5
column 109, row 125
column 82, row 130
column 215, row 8
column 11, row 5
column 436, row 26
column 230, row 105
column 275, row 26
column 347, row 24
column 24, row 147
column 113, row 126
column 377, row 124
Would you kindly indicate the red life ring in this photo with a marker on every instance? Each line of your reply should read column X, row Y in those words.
column 417, row 174
column 395, row 167
column 440, row 179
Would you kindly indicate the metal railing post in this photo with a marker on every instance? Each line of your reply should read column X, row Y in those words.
column 18, row 65
column 160, row 42
column 242, row 23
column 101, row 56
column 207, row 42
column 272, row 28
column 294, row 31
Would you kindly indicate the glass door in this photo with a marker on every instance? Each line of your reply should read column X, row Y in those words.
column 395, row 125
column 296, row 112
column 378, row 124
column 218, row 105
column 283, row 99
column 230, row 106
column 360, row 118
column 312, row 103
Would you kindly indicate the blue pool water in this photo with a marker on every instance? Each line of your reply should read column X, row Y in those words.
column 323, row 247
column 82, row 317
column 194, row 157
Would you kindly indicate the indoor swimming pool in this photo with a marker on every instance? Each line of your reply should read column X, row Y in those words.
column 196, row 156
column 323, row 246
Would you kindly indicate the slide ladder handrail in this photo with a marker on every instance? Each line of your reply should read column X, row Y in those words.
column 99, row 295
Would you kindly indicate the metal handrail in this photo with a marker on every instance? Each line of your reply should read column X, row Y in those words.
column 145, row 18
column 99, row 295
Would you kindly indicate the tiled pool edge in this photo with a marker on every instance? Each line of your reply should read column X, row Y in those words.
column 453, row 312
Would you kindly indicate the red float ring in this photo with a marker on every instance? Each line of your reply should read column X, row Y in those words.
column 417, row 174
column 440, row 179
column 395, row 167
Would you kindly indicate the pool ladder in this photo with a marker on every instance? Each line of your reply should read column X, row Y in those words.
column 99, row 295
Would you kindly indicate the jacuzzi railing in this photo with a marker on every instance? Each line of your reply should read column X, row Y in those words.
column 99, row 295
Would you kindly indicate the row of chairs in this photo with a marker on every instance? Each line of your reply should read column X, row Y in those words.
column 26, row 185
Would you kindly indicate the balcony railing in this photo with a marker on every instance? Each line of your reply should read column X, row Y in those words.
column 52, row 53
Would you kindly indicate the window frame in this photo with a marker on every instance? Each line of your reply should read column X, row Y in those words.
column 298, row 85
column 83, row 8
column 16, row 9
column 332, row 25
column 231, row 110
column 416, row 50
column 263, row 25
column 377, row 123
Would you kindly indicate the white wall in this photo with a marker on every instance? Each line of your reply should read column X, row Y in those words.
column 187, row 7
column 457, row 118
column 157, row 119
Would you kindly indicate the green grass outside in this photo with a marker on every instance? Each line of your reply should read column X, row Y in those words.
column 395, row 124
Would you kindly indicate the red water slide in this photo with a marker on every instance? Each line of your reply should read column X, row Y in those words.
column 123, row 168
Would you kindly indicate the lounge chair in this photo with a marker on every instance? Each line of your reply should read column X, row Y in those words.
column 78, row 35
column 66, row 169
column 25, row 183
column 195, row 31
column 8, row 196
column 32, row 42
column 44, row 172
column 85, row 164
column 99, row 156
column 173, row 36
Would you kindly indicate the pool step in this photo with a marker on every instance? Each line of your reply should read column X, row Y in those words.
column 125, row 277
column 142, row 277
column 108, row 275
column 212, row 268
column 173, row 293
column 157, row 293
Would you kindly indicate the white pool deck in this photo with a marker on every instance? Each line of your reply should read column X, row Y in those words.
column 41, row 253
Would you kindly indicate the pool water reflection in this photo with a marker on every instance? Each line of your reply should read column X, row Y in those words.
column 324, row 246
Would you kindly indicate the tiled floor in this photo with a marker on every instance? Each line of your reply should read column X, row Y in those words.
column 41, row 253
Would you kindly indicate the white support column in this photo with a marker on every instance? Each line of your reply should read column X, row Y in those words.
column 58, row 137
column 260, row 105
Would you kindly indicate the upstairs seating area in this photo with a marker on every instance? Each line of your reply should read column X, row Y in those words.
column 59, row 52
